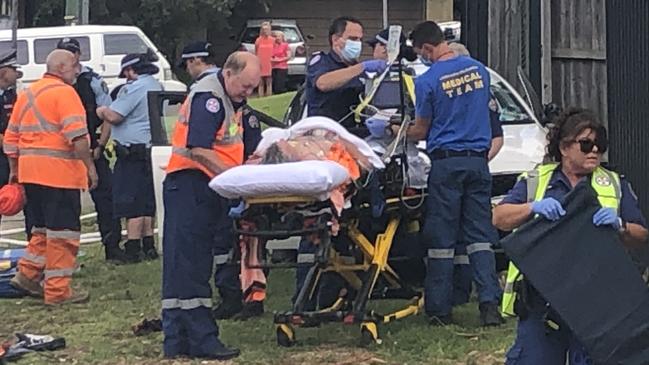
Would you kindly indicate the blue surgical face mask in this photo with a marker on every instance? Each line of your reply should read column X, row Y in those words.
column 352, row 50
column 425, row 60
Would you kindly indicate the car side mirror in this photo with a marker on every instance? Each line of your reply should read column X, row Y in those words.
column 550, row 112
column 310, row 37
column 232, row 37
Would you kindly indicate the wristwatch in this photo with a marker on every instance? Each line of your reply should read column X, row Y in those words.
column 622, row 224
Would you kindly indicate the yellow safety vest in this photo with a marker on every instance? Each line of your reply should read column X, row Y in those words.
column 605, row 183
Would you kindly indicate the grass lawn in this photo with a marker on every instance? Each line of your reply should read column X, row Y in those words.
column 275, row 105
column 100, row 332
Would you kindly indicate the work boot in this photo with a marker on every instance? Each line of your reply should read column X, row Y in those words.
column 231, row 304
column 115, row 254
column 77, row 297
column 31, row 287
column 148, row 248
column 133, row 250
column 222, row 353
column 490, row 315
column 250, row 310
column 440, row 321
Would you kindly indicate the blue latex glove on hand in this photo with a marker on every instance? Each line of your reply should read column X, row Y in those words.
column 606, row 217
column 374, row 66
column 549, row 208
column 237, row 212
column 377, row 127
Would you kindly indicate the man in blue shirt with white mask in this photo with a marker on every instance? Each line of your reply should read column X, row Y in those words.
column 133, row 195
column 332, row 81
column 452, row 115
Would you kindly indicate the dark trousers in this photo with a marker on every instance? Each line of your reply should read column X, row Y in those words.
column 458, row 209
column 192, row 214
column 279, row 80
column 109, row 227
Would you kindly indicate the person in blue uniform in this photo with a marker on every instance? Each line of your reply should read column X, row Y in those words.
column 576, row 144
column 332, row 81
column 207, row 141
column 94, row 93
column 198, row 60
column 133, row 195
column 333, row 86
column 9, row 74
column 452, row 115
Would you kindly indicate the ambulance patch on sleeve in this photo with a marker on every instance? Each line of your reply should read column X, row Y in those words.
column 212, row 105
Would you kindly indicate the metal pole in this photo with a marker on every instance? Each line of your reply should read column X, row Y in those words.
column 85, row 12
column 14, row 24
column 385, row 14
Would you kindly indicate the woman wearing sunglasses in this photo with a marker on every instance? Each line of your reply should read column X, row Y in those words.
column 576, row 143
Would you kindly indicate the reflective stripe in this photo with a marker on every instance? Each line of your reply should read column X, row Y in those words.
column 305, row 258
column 65, row 234
column 10, row 148
column 75, row 118
column 75, row 133
column 58, row 273
column 236, row 139
column 182, row 119
column 13, row 128
column 181, row 151
column 34, row 258
column 186, row 304
column 509, row 287
column 31, row 98
column 461, row 260
column 348, row 260
column 441, row 253
column 44, row 123
column 68, row 155
column 221, row 259
column 477, row 247
column 38, row 230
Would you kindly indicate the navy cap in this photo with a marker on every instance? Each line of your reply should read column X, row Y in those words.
column 194, row 49
column 382, row 37
column 69, row 44
column 8, row 59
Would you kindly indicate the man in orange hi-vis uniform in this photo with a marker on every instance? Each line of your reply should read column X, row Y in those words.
column 49, row 153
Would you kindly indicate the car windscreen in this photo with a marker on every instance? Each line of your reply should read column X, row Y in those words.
column 291, row 34
column 510, row 109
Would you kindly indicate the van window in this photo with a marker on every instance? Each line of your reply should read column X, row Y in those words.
column 22, row 54
column 43, row 47
column 121, row 44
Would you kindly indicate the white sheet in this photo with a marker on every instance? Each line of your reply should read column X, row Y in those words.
column 304, row 178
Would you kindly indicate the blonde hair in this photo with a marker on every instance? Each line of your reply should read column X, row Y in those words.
column 278, row 34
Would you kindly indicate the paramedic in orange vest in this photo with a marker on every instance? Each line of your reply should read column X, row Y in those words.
column 48, row 148
column 207, row 140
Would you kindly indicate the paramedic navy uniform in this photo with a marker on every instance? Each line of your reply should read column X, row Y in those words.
column 454, row 95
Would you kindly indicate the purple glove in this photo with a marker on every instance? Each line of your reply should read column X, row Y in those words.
column 607, row 217
column 377, row 127
column 374, row 66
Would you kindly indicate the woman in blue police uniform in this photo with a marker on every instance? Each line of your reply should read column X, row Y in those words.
column 576, row 144
column 133, row 196
column 452, row 114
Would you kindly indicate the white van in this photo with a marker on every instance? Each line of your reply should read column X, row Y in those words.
column 102, row 48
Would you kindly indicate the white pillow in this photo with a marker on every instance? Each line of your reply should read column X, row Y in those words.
column 305, row 178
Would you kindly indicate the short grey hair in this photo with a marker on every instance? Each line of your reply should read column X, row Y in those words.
column 235, row 63
column 459, row 49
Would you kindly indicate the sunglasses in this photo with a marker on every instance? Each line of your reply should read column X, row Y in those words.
column 586, row 145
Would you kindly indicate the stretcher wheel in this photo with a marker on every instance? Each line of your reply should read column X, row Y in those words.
column 369, row 334
column 285, row 335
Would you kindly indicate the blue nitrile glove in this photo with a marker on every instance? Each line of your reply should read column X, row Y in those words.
column 237, row 212
column 377, row 127
column 549, row 208
column 606, row 217
column 374, row 66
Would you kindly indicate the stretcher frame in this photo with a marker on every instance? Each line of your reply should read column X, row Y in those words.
column 361, row 276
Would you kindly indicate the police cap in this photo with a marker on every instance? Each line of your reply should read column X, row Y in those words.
column 194, row 49
column 69, row 44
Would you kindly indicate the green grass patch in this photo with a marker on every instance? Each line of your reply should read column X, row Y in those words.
column 100, row 332
column 275, row 105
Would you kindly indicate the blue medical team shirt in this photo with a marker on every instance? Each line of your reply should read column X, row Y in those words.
column 133, row 105
column 454, row 95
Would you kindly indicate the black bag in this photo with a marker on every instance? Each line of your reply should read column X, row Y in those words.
column 588, row 278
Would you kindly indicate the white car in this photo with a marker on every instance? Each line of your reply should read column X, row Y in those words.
column 523, row 149
column 102, row 49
